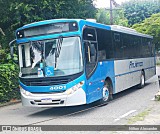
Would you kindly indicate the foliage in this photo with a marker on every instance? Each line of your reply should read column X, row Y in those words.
column 151, row 26
column 2, row 56
column 5, row 56
column 137, row 10
column 103, row 16
column 16, row 13
column 8, row 82
column 139, row 117
column 8, row 77
column 157, row 96
column 119, row 18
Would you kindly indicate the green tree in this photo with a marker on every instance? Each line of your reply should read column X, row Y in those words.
column 16, row 13
column 119, row 18
column 151, row 26
column 137, row 10
column 103, row 16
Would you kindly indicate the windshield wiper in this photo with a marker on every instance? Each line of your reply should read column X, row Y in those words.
column 58, row 49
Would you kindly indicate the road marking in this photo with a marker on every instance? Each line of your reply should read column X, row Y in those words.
column 124, row 115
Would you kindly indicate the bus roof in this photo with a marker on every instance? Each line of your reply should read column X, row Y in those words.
column 128, row 31
column 89, row 23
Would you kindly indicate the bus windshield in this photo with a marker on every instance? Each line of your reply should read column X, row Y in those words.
column 50, row 58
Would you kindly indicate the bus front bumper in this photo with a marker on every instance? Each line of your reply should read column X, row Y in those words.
column 53, row 99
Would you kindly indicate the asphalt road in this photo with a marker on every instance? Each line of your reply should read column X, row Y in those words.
column 124, row 105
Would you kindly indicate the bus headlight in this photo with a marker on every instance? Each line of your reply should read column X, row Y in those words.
column 74, row 88
column 25, row 92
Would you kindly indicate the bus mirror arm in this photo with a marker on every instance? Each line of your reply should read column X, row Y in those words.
column 11, row 47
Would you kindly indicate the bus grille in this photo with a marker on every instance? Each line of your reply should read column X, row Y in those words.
column 39, row 82
column 49, row 81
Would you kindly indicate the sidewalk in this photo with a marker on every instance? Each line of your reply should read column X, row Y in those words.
column 149, row 117
column 153, row 116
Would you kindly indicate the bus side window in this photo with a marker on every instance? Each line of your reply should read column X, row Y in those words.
column 119, row 48
column 152, row 47
column 116, row 37
column 101, row 55
column 105, row 47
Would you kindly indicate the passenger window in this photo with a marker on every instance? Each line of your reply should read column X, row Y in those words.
column 105, row 47
column 118, row 46
column 116, row 37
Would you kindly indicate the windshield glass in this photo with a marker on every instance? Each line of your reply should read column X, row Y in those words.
column 50, row 58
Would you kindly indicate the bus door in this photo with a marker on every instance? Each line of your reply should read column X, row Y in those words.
column 92, row 70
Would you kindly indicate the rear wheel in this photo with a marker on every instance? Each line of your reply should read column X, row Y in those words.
column 142, row 80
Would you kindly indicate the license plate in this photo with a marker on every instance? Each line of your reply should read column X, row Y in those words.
column 47, row 100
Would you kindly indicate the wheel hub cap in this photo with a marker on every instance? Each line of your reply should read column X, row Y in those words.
column 105, row 94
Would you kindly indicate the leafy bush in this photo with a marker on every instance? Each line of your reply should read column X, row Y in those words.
column 150, row 26
column 9, row 82
column 157, row 97
column 138, row 10
column 2, row 55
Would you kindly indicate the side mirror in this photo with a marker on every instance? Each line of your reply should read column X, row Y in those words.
column 11, row 44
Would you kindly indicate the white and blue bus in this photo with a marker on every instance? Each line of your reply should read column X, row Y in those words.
column 68, row 62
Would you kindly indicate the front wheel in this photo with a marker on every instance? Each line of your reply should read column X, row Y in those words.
column 106, row 93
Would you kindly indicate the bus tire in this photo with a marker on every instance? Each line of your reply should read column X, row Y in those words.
column 142, row 80
column 107, row 92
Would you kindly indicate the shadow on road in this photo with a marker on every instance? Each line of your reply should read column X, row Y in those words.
column 63, row 111
column 129, row 91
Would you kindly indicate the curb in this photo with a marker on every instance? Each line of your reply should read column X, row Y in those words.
column 10, row 103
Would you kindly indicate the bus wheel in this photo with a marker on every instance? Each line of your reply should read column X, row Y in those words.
column 107, row 96
column 142, row 80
